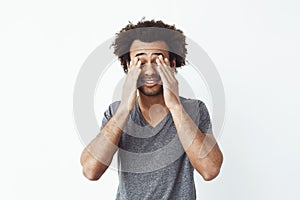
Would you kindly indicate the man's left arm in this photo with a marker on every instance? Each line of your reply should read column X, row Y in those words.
column 201, row 148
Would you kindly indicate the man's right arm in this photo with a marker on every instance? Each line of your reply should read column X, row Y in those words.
column 97, row 156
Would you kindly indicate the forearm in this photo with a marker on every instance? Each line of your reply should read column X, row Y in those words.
column 97, row 156
column 201, row 148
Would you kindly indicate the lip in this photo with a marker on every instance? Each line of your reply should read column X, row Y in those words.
column 151, row 82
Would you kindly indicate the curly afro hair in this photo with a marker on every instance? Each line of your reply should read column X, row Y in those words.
column 150, row 31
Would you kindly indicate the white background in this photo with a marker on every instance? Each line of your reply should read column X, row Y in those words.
column 254, row 44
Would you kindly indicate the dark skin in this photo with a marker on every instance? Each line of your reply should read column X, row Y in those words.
column 201, row 148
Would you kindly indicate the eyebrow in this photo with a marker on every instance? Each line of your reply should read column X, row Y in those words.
column 141, row 54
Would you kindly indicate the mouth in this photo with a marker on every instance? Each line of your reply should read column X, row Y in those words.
column 150, row 83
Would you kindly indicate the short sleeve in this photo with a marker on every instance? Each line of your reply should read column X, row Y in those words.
column 109, row 113
column 198, row 112
column 204, row 119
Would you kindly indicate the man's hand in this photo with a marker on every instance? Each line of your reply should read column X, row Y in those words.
column 169, row 82
column 130, row 85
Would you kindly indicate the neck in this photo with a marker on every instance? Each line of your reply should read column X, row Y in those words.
column 153, row 108
column 146, row 102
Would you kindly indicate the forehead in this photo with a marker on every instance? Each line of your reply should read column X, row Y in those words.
column 148, row 48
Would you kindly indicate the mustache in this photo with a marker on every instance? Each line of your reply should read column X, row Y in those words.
column 151, row 77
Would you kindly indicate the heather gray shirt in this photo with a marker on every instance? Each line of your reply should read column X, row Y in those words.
column 152, row 162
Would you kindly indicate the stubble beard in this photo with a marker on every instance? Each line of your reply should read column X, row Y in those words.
column 151, row 91
column 154, row 90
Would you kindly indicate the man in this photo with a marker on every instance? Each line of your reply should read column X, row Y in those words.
column 160, row 137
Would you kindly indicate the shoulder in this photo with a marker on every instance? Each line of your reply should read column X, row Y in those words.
column 198, row 111
column 191, row 103
column 112, row 108
column 109, row 112
column 195, row 108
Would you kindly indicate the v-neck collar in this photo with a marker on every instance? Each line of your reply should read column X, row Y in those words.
column 144, row 121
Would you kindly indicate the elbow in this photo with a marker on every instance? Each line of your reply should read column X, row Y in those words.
column 211, row 170
column 90, row 174
column 93, row 170
column 210, row 174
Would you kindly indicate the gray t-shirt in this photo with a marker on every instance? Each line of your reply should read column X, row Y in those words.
column 152, row 162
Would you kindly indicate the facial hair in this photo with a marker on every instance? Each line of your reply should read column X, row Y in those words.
column 150, row 91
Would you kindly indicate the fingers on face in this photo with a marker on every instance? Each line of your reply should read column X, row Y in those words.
column 162, row 61
column 165, row 69
column 167, row 62
column 135, row 63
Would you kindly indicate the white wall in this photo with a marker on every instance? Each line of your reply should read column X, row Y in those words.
column 254, row 44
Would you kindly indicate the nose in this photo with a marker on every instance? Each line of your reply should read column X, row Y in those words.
column 149, row 69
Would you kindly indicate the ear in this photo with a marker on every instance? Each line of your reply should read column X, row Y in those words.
column 173, row 64
column 128, row 63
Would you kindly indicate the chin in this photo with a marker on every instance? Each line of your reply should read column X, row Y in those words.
column 153, row 91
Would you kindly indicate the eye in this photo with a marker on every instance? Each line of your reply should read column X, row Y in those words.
column 142, row 65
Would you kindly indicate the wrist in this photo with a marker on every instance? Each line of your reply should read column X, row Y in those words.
column 122, row 111
column 178, row 108
column 120, row 117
